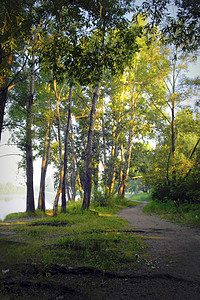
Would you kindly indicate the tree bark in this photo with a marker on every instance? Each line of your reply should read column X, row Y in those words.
column 73, row 173
column 120, row 189
column 125, row 172
column 45, row 159
column 79, row 182
column 63, row 209
column 88, row 156
column 30, row 205
column 55, row 204
column 3, row 99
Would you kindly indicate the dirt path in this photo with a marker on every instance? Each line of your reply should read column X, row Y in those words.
column 168, row 241
column 166, row 281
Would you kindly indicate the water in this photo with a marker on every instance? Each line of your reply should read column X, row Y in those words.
column 12, row 203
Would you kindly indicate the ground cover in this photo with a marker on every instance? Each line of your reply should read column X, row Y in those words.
column 96, row 255
column 186, row 214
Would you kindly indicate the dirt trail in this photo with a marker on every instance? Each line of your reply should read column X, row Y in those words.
column 167, row 239
column 167, row 242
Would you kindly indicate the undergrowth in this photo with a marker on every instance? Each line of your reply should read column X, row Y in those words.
column 186, row 214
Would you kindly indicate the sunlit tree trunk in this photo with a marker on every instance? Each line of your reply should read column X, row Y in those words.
column 96, row 158
column 30, row 205
column 73, row 165
column 173, row 98
column 114, row 151
column 79, row 182
column 104, row 153
column 127, row 161
column 63, row 209
column 45, row 159
column 59, row 190
column 120, row 188
column 58, row 121
column 88, row 155
column 55, row 205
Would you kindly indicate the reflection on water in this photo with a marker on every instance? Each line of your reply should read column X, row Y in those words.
column 11, row 203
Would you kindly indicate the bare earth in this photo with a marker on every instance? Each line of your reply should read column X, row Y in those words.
column 173, row 270
column 167, row 239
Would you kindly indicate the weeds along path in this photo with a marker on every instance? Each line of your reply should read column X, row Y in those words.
column 168, row 242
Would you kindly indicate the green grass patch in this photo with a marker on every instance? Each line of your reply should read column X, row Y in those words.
column 26, row 215
column 186, row 214
column 77, row 238
column 139, row 197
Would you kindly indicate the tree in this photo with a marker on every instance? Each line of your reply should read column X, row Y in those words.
column 16, row 20
column 181, row 27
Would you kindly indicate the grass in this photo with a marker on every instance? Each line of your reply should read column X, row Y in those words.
column 77, row 238
column 139, row 197
column 27, row 215
column 186, row 214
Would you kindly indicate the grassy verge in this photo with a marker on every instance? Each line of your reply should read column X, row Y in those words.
column 185, row 214
column 139, row 197
column 77, row 238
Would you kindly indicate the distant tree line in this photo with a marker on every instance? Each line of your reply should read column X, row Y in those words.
column 9, row 188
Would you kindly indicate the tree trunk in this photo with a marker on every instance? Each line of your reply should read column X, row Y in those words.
column 129, row 147
column 3, row 99
column 79, row 182
column 45, row 159
column 73, row 173
column 96, row 159
column 63, row 209
column 4, row 83
column 120, row 188
column 30, row 205
column 104, row 155
column 88, row 156
column 55, row 204
column 58, row 120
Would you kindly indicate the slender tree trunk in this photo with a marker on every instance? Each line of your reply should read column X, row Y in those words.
column 96, row 159
column 30, row 205
column 120, row 188
column 68, row 189
column 73, row 173
column 88, row 156
column 129, row 147
column 104, row 154
column 173, row 123
column 3, row 86
column 55, row 204
column 58, row 120
column 79, row 182
column 3, row 99
column 114, row 151
column 45, row 159
column 63, row 209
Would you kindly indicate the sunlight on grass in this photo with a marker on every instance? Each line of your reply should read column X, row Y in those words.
column 77, row 238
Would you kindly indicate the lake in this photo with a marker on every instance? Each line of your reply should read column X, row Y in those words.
column 12, row 203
